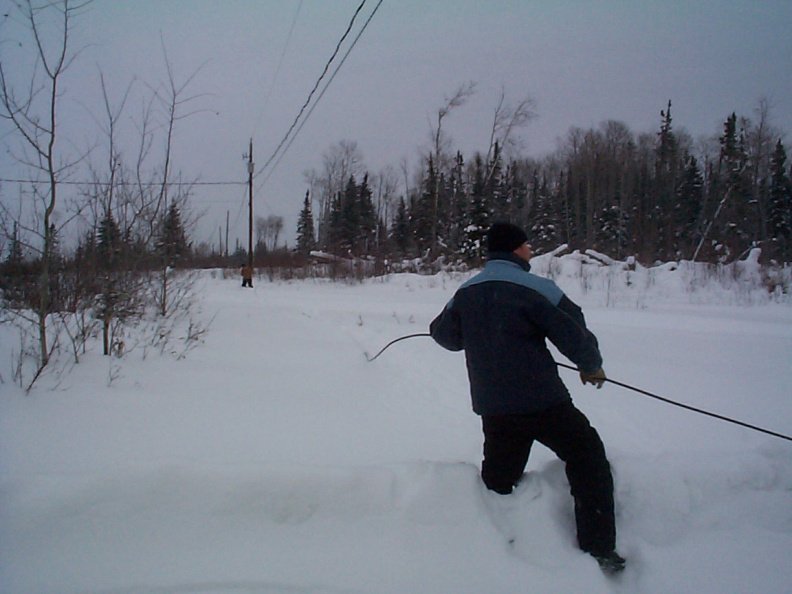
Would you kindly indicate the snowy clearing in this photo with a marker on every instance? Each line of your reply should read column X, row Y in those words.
column 275, row 458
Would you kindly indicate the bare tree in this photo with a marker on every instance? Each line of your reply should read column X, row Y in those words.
column 32, row 109
column 142, row 199
column 385, row 183
column 761, row 140
column 441, row 159
column 506, row 122
column 339, row 163
column 268, row 231
column 439, row 137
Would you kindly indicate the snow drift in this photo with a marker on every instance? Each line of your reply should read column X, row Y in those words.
column 275, row 458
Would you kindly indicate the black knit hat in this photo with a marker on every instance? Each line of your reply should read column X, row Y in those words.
column 505, row 237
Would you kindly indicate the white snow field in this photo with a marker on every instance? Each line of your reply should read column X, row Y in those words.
column 275, row 458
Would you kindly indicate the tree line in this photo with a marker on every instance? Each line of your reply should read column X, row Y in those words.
column 657, row 196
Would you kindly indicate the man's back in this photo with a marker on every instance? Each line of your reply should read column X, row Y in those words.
column 501, row 318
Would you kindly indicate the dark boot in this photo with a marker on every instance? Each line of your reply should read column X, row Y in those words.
column 611, row 563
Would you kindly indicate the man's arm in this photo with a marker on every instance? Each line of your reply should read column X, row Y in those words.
column 565, row 326
column 446, row 329
column 573, row 310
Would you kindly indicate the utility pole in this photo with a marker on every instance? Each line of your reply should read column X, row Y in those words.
column 250, row 204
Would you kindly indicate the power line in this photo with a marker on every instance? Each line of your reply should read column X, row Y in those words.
column 123, row 183
column 286, row 136
column 310, row 111
column 280, row 64
column 316, row 86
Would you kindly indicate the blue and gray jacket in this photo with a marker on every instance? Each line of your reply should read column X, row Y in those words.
column 501, row 318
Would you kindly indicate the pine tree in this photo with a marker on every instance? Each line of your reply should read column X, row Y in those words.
column 400, row 231
column 735, row 226
column 16, row 278
column 423, row 211
column 780, row 208
column 14, row 258
column 172, row 244
column 515, row 193
column 108, row 242
column 457, row 205
column 365, row 230
column 611, row 233
column 687, row 213
column 494, row 192
column 443, row 231
column 352, row 223
column 306, row 237
column 478, row 220
column 543, row 223
column 335, row 217
column 111, row 295
column 666, row 171
column 350, row 217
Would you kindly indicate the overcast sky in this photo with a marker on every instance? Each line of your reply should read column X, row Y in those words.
column 583, row 62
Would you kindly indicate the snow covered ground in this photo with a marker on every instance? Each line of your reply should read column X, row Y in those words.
column 276, row 459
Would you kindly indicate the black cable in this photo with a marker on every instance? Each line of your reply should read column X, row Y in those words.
column 687, row 406
column 327, row 84
column 122, row 183
column 316, row 86
column 280, row 64
column 382, row 350
column 629, row 387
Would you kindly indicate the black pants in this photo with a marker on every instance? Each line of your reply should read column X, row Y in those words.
column 247, row 282
column 567, row 432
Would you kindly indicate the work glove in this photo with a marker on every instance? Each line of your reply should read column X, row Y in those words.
column 595, row 379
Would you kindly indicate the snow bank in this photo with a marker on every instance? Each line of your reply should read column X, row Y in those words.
column 275, row 458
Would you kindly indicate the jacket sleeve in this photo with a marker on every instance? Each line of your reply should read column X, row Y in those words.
column 573, row 310
column 566, row 329
column 446, row 329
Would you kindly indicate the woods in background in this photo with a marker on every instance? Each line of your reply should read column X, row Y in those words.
column 657, row 196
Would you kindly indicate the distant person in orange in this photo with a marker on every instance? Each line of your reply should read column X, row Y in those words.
column 247, row 276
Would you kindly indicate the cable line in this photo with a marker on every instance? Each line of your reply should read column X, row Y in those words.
column 687, row 406
column 280, row 64
column 123, row 183
column 316, row 86
column 629, row 387
column 310, row 111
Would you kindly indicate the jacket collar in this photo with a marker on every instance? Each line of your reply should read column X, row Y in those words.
column 510, row 257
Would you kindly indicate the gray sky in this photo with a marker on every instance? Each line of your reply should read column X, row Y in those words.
column 582, row 61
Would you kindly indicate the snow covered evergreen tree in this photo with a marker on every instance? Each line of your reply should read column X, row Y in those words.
column 543, row 221
column 735, row 223
column 478, row 220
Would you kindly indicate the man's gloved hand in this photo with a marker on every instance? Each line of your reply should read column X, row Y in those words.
column 595, row 379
